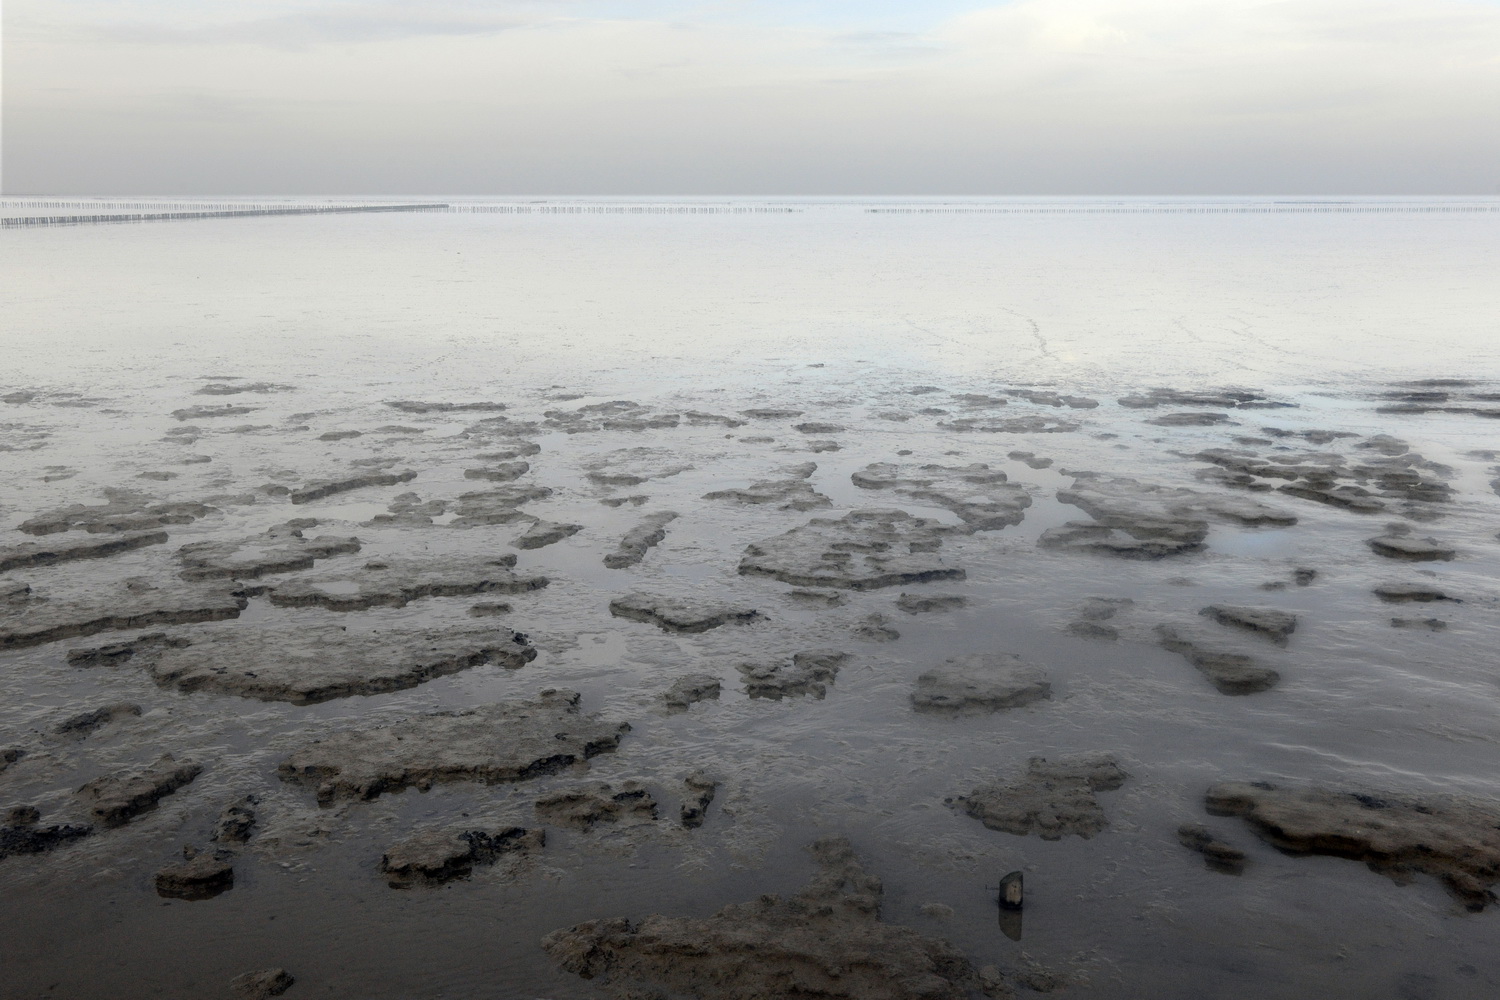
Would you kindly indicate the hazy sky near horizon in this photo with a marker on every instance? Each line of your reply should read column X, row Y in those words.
column 830, row 97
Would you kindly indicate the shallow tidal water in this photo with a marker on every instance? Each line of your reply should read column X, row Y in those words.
column 884, row 325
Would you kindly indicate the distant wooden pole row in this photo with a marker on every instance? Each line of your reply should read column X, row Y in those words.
column 83, row 220
column 623, row 209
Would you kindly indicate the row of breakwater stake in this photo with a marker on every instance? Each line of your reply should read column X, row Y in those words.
column 19, row 205
column 624, row 209
column 84, row 220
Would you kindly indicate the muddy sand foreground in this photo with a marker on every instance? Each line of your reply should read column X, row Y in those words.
column 736, row 694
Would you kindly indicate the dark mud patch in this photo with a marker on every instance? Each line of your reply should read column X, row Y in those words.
column 30, row 554
column 38, row 622
column 432, row 857
column 652, row 531
column 864, row 550
column 116, row 799
column 396, row 583
column 305, row 664
column 1053, row 799
column 978, row 684
column 510, row 741
column 826, row 941
column 808, row 674
column 587, row 807
column 680, row 614
column 123, row 511
column 1457, row 841
column 282, row 549
column 1231, row 673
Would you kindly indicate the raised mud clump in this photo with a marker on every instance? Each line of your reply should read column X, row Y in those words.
column 1128, row 539
column 16, row 594
column 1327, row 478
column 1410, row 549
column 397, row 582
column 698, row 794
column 329, row 487
column 416, row 406
column 1430, row 624
column 1108, row 496
column 827, row 941
column 235, row 388
column 281, row 549
column 586, row 808
column 30, row 554
column 497, row 506
column 1410, row 593
column 633, row 466
column 1190, row 420
column 203, row 875
column 1136, row 520
column 616, row 415
column 508, row 450
column 690, row 689
column 1030, row 424
column 204, row 411
column 1040, row 398
column 510, row 741
column 875, row 628
column 1454, row 840
column 1224, row 399
column 917, row 604
column 679, row 614
column 116, row 799
column 87, row 723
column 304, row 664
column 698, row 418
column 1093, row 612
column 1217, row 855
column 38, row 622
column 1269, row 623
column 20, row 834
column 1231, row 673
column 979, row 495
column 126, row 510
column 791, row 493
column 863, row 550
column 544, row 533
column 648, row 534
column 236, row 821
column 818, row 598
column 980, row 683
column 263, row 984
column 434, row 856
column 809, row 673
column 1053, row 799
column 409, row 509
column 1093, row 630
column 771, row 413
column 503, row 472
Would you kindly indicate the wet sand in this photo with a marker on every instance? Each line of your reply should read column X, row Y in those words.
column 471, row 659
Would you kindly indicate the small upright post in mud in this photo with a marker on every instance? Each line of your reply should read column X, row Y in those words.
column 1011, row 901
column 1011, row 891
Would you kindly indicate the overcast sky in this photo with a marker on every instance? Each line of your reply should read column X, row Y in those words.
column 833, row 97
